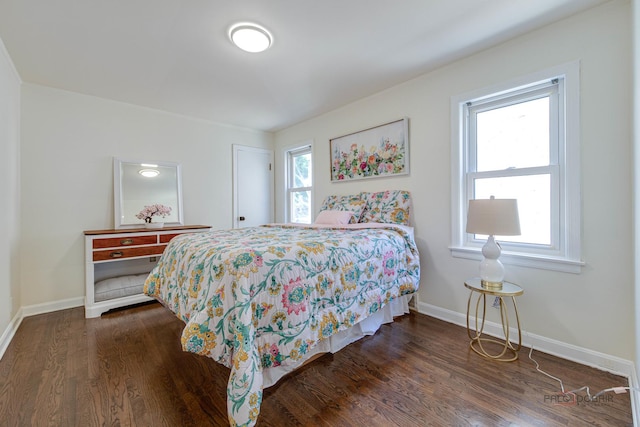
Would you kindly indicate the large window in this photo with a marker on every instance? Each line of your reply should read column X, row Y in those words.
column 520, row 141
column 299, row 184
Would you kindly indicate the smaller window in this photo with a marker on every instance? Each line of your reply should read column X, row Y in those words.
column 299, row 184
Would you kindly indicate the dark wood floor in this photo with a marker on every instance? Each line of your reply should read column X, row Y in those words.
column 127, row 369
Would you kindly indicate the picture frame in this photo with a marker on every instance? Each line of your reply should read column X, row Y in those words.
column 376, row 152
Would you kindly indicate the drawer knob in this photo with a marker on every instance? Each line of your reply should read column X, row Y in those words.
column 126, row 241
column 116, row 254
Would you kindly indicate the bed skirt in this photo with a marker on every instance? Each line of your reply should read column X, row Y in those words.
column 335, row 343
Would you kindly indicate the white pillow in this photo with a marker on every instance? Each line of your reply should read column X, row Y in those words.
column 118, row 287
column 334, row 217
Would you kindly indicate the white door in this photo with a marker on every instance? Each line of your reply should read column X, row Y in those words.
column 252, row 186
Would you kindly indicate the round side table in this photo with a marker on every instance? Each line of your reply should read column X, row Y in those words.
column 509, row 353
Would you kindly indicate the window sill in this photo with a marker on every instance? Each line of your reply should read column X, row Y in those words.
column 524, row 260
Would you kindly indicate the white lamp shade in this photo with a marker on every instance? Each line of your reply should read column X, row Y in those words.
column 494, row 217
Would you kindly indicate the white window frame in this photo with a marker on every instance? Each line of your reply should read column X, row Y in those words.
column 289, row 154
column 564, row 253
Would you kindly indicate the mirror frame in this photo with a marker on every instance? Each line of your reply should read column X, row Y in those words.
column 117, row 191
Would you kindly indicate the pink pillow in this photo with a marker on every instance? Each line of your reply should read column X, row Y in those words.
column 352, row 203
column 334, row 217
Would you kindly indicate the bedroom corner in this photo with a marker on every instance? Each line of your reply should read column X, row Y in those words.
column 10, row 298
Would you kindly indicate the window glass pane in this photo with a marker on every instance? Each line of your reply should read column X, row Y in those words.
column 533, row 194
column 302, row 170
column 515, row 136
column 301, row 207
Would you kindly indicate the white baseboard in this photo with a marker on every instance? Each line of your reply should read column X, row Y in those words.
column 48, row 307
column 8, row 334
column 32, row 310
column 635, row 394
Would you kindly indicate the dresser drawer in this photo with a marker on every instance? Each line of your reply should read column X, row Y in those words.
column 164, row 238
column 127, row 252
column 115, row 242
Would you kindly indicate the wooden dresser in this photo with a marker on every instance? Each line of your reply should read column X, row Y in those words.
column 118, row 260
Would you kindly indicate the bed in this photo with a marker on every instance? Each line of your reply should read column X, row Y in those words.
column 263, row 300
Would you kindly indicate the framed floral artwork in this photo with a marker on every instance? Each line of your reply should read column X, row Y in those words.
column 380, row 151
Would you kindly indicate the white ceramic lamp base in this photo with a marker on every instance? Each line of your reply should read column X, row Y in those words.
column 491, row 269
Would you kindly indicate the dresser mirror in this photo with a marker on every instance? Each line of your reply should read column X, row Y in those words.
column 137, row 184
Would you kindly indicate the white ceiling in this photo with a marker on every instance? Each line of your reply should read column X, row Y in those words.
column 175, row 55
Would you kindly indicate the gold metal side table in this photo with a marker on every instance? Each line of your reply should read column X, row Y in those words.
column 509, row 353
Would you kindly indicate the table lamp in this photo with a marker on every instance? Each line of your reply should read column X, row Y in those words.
column 493, row 217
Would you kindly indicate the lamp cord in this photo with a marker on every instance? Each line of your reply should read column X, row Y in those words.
column 617, row 390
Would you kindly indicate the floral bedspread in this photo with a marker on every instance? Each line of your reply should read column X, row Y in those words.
column 255, row 298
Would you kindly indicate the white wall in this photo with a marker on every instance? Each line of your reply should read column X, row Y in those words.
column 67, row 149
column 636, row 159
column 593, row 310
column 9, row 189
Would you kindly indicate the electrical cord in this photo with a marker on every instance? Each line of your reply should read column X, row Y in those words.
column 617, row 390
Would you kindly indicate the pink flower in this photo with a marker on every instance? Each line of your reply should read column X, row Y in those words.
column 274, row 350
column 294, row 297
column 389, row 263
column 149, row 211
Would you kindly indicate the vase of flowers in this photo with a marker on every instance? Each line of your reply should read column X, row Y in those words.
column 150, row 211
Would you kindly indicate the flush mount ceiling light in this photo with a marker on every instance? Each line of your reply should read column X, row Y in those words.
column 250, row 37
column 149, row 173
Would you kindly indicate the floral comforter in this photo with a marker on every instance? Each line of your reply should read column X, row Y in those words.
column 255, row 298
